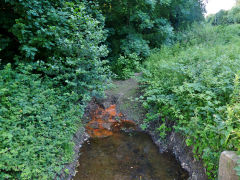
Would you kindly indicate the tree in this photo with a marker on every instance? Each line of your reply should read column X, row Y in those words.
column 149, row 23
column 237, row 2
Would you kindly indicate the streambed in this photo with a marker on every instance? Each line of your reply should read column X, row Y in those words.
column 118, row 150
column 113, row 147
column 126, row 156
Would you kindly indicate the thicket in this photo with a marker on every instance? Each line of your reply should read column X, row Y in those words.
column 137, row 26
column 51, row 65
column 60, row 39
column 38, row 121
column 195, row 86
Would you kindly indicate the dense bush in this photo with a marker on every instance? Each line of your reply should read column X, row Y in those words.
column 136, row 26
column 233, row 113
column 125, row 66
column 192, row 83
column 56, row 50
column 37, row 125
column 52, row 62
column 61, row 39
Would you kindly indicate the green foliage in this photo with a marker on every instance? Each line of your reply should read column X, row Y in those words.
column 233, row 113
column 135, row 44
column 136, row 26
column 61, row 39
column 7, row 43
column 125, row 66
column 193, row 84
column 37, row 125
column 225, row 17
column 184, row 12
column 56, row 50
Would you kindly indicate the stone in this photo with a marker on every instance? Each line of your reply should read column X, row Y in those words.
column 227, row 163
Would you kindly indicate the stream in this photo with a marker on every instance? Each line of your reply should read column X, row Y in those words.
column 117, row 150
column 126, row 156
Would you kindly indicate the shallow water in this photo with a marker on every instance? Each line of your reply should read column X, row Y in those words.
column 126, row 156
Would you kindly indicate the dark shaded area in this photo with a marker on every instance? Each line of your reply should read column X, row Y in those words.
column 9, row 44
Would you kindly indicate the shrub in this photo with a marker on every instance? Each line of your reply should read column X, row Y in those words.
column 37, row 125
column 58, row 66
column 61, row 39
column 233, row 118
column 194, row 86
column 125, row 66
column 138, row 26
column 135, row 44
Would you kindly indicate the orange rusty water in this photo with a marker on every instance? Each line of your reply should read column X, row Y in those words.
column 104, row 122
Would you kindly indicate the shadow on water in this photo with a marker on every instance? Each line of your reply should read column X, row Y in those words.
column 126, row 156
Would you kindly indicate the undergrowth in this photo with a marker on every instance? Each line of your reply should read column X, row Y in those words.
column 196, row 84
column 53, row 64
column 37, row 125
